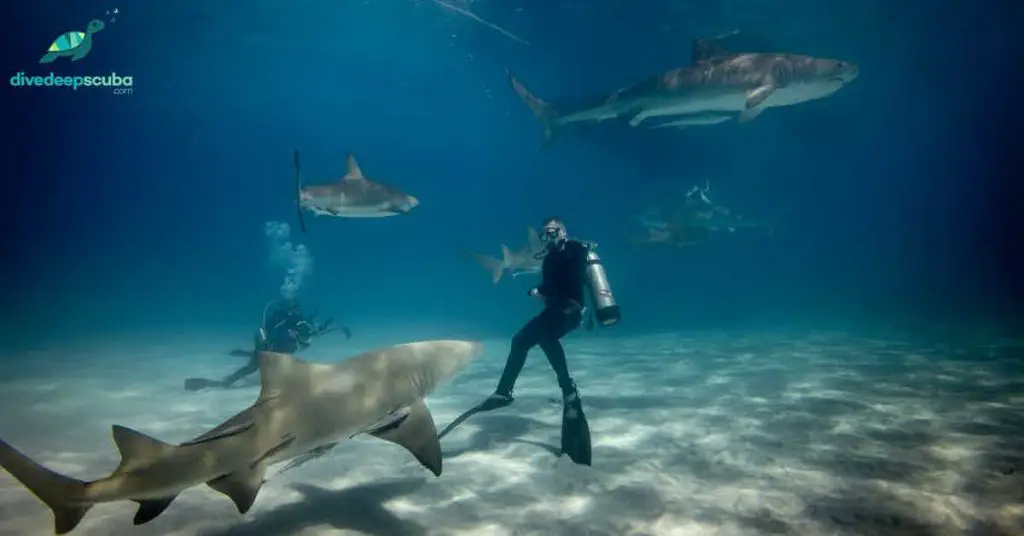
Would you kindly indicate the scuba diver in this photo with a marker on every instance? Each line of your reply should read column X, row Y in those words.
column 285, row 329
column 568, row 266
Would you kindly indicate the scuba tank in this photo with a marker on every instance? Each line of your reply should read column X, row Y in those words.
column 605, row 308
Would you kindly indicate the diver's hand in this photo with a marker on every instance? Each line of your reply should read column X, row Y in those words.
column 534, row 292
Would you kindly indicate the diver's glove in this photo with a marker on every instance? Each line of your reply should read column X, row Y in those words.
column 533, row 292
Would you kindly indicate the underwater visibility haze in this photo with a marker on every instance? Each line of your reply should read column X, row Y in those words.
column 510, row 267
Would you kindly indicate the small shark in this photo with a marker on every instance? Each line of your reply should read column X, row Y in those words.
column 302, row 409
column 691, row 236
column 683, row 221
column 717, row 86
column 352, row 196
column 525, row 261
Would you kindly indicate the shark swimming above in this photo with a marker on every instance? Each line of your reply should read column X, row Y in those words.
column 302, row 409
column 716, row 87
column 352, row 196
column 525, row 261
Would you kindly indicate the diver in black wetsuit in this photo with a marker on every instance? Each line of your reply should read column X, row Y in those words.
column 564, row 276
column 561, row 289
column 285, row 329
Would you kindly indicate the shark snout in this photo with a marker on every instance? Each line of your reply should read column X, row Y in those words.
column 408, row 204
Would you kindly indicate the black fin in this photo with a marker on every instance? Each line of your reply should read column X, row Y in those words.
column 150, row 509
column 576, row 434
column 298, row 191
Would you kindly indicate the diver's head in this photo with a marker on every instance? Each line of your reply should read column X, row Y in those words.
column 553, row 233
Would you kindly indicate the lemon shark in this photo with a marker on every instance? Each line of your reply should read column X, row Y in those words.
column 302, row 407
column 717, row 86
column 352, row 196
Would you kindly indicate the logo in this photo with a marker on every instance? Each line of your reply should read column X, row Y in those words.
column 75, row 45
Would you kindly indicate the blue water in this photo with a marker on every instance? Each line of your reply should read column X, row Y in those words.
column 146, row 215
column 147, row 211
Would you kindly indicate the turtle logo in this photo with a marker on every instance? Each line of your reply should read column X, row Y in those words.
column 75, row 44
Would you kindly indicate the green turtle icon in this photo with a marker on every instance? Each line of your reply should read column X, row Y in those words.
column 74, row 44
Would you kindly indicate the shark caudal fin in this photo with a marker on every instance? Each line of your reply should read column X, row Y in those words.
column 64, row 495
column 298, row 191
column 541, row 110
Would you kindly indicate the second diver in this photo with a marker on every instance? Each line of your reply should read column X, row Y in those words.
column 285, row 329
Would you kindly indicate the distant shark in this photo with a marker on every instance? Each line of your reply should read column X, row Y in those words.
column 302, row 409
column 525, row 261
column 673, row 237
column 352, row 196
column 716, row 87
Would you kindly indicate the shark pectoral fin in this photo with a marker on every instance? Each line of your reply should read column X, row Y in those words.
column 136, row 447
column 638, row 118
column 749, row 114
column 417, row 433
column 150, row 509
column 757, row 96
column 241, row 486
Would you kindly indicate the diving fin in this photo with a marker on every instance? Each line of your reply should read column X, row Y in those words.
column 196, row 384
column 575, row 430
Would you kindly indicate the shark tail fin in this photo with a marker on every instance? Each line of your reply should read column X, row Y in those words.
column 64, row 495
column 541, row 109
column 490, row 264
column 298, row 191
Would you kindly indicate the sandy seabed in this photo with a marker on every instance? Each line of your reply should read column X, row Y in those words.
column 715, row 434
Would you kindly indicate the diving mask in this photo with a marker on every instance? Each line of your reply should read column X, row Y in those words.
column 554, row 234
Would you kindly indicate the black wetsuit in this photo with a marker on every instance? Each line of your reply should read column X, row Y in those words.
column 282, row 330
column 563, row 278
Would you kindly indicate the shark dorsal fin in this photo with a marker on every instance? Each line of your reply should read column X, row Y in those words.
column 533, row 240
column 277, row 372
column 706, row 49
column 136, row 447
column 353, row 172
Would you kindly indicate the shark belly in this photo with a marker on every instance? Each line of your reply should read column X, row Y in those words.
column 798, row 93
column 697, row 103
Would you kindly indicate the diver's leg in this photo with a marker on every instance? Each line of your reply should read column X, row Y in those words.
column 249, row 368
column 575, row 429
column 551, row 345
column 524, row 340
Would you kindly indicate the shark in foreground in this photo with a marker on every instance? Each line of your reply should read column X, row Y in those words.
column 716, row 87
column 302, row 408
column 525, row 261
column 352, row 196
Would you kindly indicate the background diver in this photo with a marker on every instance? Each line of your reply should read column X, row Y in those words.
column 284, row 329
column 569, row 265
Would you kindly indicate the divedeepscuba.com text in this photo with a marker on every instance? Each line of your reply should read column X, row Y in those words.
column 121, row 85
